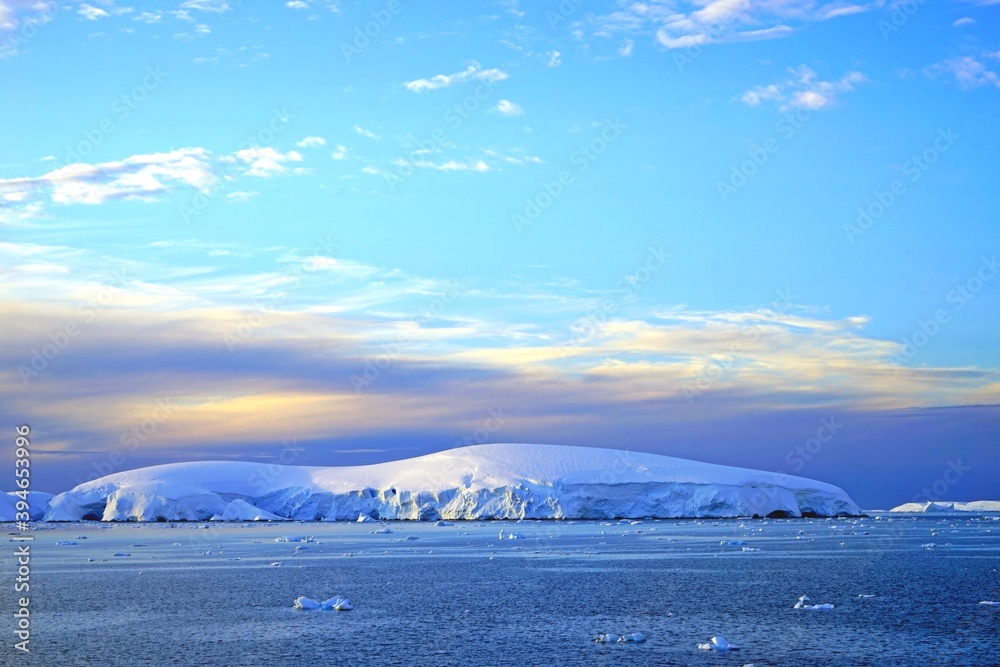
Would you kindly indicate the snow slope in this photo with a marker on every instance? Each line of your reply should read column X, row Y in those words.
column 991, row 506
column 499, row 481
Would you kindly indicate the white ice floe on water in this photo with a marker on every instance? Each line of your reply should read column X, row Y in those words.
column 337, row 603
column 718, row 644
column 990, row 603
column 510, row 535
column 302, row 603
column 732, row 543
column 803, row 603
column 609, row 638
column 295, row 538
column 628, row 638
column 362, row 518
column 382, row 531
column 496, row 481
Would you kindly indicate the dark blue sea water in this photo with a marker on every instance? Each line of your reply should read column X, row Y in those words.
column 458, row 595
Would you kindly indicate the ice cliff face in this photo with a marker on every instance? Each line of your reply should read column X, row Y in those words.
column 502, row 481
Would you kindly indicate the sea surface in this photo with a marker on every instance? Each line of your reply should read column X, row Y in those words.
column 210, row 594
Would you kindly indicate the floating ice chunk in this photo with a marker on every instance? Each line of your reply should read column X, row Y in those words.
column 302, row 603
column 443, row 523
column 336, row 603
column 866, row 595
column 636, row 637
column 718, row 644
column 750, row 549
column 295, row 538
column 382, row 531
column 990, row 603
column 362, row 518
column 275, row 564
column 66, row 543
column 732, row 543
column 511, row 535
column 122, row 553
column 609, row 638
column 802, row 604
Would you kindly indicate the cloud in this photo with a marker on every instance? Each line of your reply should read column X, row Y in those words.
column 91, row 13
column 368, row 134
column 626, row 50
column 474, row 72
column 212, row 6
column 968, row 72
column 689, row 23
column 297, row 4
column 554, row 59
column 508, row 108
column 265, row 162
column 311, row 142
column 142, row 177
column 241, row 195
column 148, row 17
column 340, row 153
column 802, row 90
column 451, row 165
column 964, row 21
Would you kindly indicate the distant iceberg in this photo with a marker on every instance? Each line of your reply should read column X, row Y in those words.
column 718, row 644
column 981, row 506
column 498, row 481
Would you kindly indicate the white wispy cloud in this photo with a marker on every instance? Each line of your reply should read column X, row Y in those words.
column 311, row 142
column 474, row 72
column 297, row 4
column 265, row 162
column 508, row 108
column 213, row 6
column 969, row 72
column 368, row 134
column 339, row 153
column 802, row 90
column 91, row 13
column 148, row 17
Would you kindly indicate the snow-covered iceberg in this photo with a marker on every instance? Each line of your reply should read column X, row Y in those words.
column 982, row 506
column 718, row 644
column 499, row 481
column 241, row 510
column 38, row 504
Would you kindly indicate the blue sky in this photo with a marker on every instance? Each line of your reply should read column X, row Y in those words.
column 691, row 228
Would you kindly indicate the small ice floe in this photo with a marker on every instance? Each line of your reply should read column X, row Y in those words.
column 929, row 545
column 633, row 637
column 302, row 603
column 336, row 603
column 718, row 644
column 803, row 604
column 990, row 603
column 362, row 518
column 443, row 523
column 66, row 543
column 750, row 549
column 122, row 553
column 275, row 564
column 866, row 596
column 511, row 535
column 609, row 638
column 295, row 538
column 732, row 543
column 382, row 531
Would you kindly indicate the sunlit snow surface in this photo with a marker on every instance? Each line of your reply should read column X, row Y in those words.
column 206, row 593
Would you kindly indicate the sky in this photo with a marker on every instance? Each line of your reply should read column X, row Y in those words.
column 762, row 234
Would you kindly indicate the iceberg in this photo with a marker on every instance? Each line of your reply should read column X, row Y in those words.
column 38, row 505
column 336, row 603
column 241, row 510
column 980, row 506
column 302, row 603
column 802, row 604
column 495, row 481
column 718, row 644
